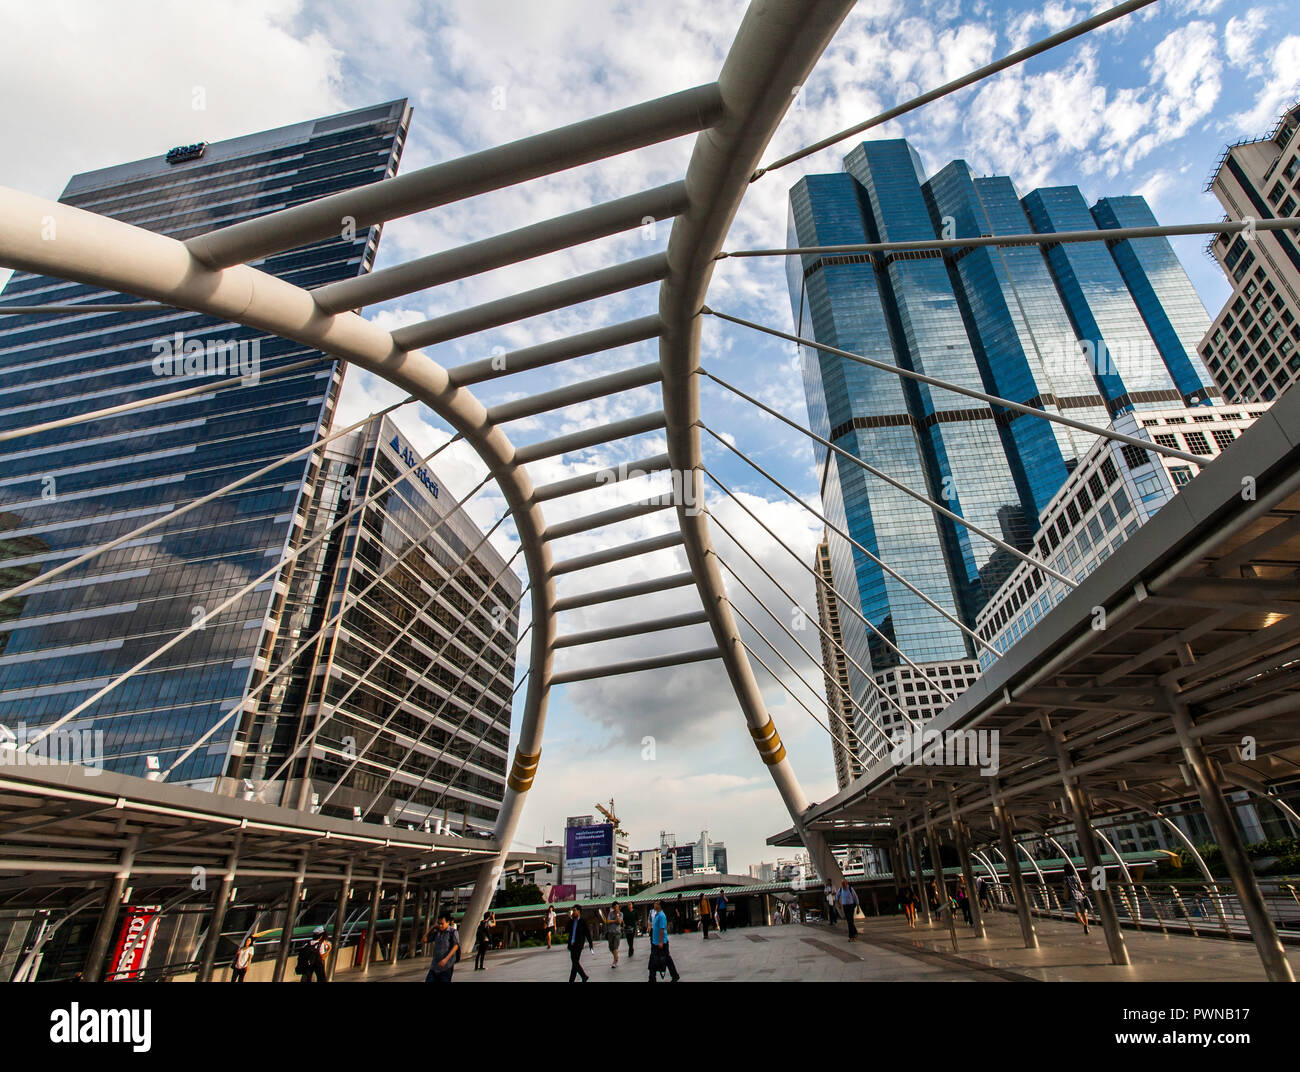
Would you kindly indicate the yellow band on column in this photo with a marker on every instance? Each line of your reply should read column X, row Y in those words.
column 523, row 771
column 768, row 743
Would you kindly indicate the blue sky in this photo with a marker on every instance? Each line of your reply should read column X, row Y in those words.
column 1143, row 107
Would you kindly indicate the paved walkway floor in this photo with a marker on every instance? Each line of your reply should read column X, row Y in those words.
column 886, row 951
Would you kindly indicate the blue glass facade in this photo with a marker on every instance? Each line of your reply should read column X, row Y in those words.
column 1170, row 306
column 1011, row 321
column 67, row 491
column 1132, row 345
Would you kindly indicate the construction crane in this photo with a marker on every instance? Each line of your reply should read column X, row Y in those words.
column 608, row 813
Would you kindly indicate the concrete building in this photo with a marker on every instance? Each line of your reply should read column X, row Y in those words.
column 840, row 712
column 1115, row 490
column 645, row 867
column 1253, row 347
column 596, row 857
column 400, row 708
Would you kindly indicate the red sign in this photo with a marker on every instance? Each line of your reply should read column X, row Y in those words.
column 562, row 893
column 133, row 943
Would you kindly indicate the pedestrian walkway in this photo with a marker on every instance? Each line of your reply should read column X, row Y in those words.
column 886, row 951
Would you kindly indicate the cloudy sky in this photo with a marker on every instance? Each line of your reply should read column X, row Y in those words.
column 1142, row 107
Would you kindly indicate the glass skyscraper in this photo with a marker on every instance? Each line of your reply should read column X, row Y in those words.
column 393, row 670
column 67, row 491
column 1095, row 330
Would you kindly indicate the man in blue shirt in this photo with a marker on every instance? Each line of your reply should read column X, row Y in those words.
column 659, row 955
column 848, row 902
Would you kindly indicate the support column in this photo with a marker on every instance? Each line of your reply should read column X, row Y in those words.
column 339, row 919
column 945, row 904
column 93, row 969
column 292, row 901
column 921, row 895
column 1228, row 838
column 398, row 919
column 219, row 905
column 418, row 925
column 962, row 841
column 1088, row 848
column 1014, row 876
column 372, row 924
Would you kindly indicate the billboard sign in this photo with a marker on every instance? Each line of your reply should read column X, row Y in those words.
column 131, row 953
column 584, row 842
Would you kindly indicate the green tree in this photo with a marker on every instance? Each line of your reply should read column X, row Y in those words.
column 518, row 893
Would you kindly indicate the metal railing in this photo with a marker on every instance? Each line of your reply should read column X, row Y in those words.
column 1199, row 909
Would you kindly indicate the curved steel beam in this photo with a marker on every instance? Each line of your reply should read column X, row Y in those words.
column 776, row 46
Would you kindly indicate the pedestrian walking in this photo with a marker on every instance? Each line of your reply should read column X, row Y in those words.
column 982, row 893
column 629, row 927
column 828, row 895
column 720, row 912
column 311, row 958
column 482, row 939
column 243, row 958
column 706, row 915
column 678, row 917
column 446, row 949
column 963, row 900
column 1080, row 901
column 614, row 931
column 847, row 899
column 909, row 906
column 579, row 936
column 661, row 959
column 550, row 924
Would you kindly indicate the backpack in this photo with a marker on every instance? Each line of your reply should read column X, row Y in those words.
column 306, row 959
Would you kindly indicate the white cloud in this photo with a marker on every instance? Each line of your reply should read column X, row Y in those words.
column 1279, row 70
column 1239, row 34
column 1185, row 77
column 92, row 85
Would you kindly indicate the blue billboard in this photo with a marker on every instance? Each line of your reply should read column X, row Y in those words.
column 585, row 842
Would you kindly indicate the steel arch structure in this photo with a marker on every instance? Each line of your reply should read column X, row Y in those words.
column 777, row 44
column 734, row 119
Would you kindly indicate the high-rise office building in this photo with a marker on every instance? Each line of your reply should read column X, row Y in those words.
column 843, row 719
column 389, row 685
column 68, row 491
column 1096, row 330
column 1253, row 347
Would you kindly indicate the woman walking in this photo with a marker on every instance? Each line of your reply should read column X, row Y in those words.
column 1080, row 901
column 243, row 958
column 909, row 906
column 963, row 900
column 550, row 924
